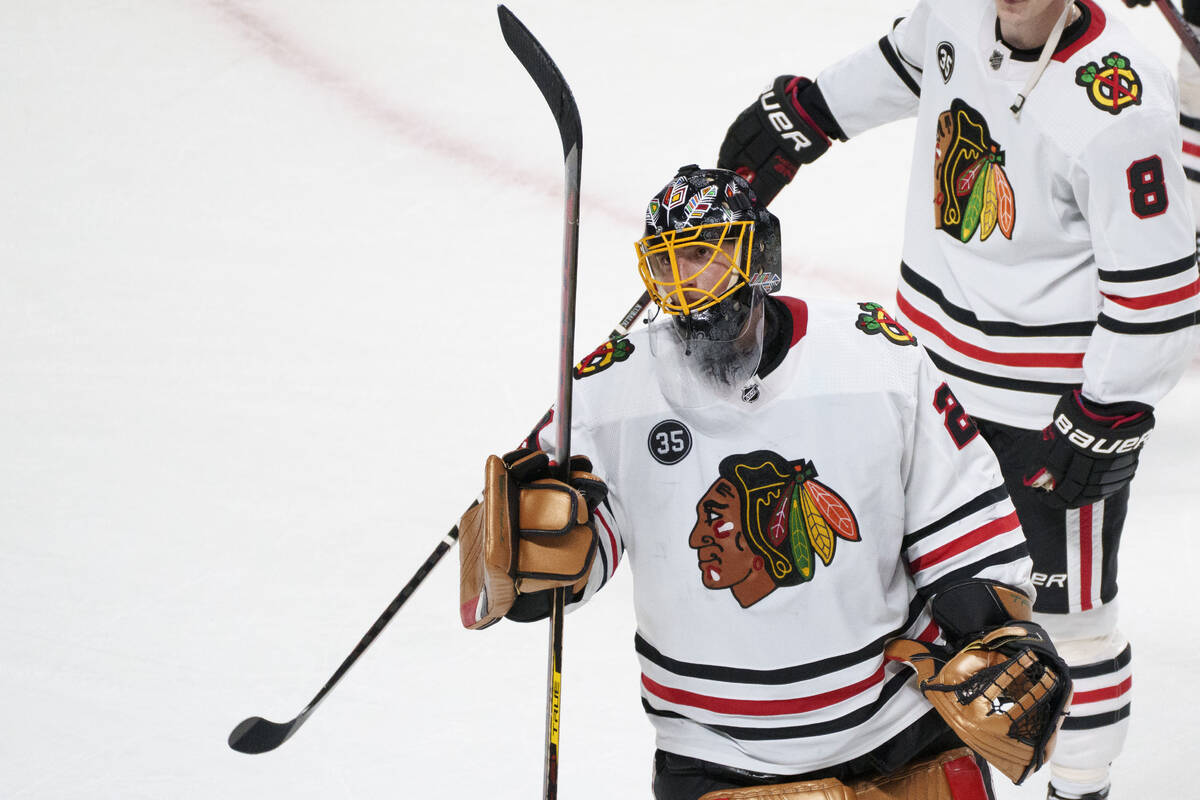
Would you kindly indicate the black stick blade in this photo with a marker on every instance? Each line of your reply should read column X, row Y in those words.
column 545, row 74
column 258, row 735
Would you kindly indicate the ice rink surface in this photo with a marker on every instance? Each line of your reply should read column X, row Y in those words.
column 276, row 276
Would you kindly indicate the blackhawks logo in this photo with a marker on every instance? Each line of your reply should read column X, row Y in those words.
column 1112, row 85
column 603, row 357
column 765, row 523
column 875, row 319
column 971, row 189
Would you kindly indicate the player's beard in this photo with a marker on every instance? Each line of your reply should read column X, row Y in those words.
column 708, row 357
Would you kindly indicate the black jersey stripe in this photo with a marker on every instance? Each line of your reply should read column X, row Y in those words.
column 773, row 677
column 990, row 497
column 1106, row 667
column 1149, row 273
column 974, row 568
column 930, row 290
column 842, row 723
column 1091, row 721
column 1192, row 174
column 914, row 67
column 1189, row 122
column 603, row 567
column 895, row 62
column 998, row 382
column 1143, row 328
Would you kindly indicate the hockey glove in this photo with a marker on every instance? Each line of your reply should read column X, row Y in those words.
column 530, row 533
column 1089, row 451
column 1005, row 694
column 769, row 141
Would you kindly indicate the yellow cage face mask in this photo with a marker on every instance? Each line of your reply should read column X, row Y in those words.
column 695, row 268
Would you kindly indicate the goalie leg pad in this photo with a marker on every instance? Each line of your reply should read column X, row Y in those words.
column 952, row 775
column 824, row 789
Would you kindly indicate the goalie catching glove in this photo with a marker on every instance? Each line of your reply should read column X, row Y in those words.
column 1089, row 451
column 531, row 533
column 1004, row 694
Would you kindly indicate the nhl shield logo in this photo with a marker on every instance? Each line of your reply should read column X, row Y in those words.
column 945, row 60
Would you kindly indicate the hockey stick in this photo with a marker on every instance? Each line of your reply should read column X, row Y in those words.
column 258, row 735
column 549, row 80
column 1187, row 36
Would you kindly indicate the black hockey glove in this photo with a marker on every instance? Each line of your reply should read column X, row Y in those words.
column 1089, row 451
column 769, row 141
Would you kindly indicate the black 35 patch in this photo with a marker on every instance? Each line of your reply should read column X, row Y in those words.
column 670, row 441
column 945, row 59
column 875, row 319
column 603, row 357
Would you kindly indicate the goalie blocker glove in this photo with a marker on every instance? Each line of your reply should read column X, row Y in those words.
column 1004, row 694
column 531, row 533
column 1089, row 451
column 784, row 128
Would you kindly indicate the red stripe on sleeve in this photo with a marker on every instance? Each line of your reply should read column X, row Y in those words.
column 996, row 527
column 1160, row 299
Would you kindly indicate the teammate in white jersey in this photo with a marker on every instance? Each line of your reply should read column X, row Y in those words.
column 794, row 486
column 1189, row 105
column 1048, row 266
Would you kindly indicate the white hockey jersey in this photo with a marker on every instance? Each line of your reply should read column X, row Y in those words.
column 779, row 541
column 1043, row 250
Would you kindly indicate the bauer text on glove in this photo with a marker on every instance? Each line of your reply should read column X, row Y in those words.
column 787, row 126
column 1089, row 451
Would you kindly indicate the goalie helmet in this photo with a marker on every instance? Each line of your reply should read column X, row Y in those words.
column 707, row 238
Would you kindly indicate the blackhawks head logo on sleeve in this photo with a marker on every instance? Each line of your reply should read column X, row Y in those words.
column 764, row 523
column 971, row 190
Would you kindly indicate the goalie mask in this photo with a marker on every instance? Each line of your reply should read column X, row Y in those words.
column 708, row 255
column 706, row 238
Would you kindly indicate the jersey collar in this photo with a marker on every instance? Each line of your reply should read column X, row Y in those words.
column 1077, row 35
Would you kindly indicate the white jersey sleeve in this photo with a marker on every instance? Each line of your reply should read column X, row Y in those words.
column 959, row 521
column 881, row 82
column 1130, row 185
